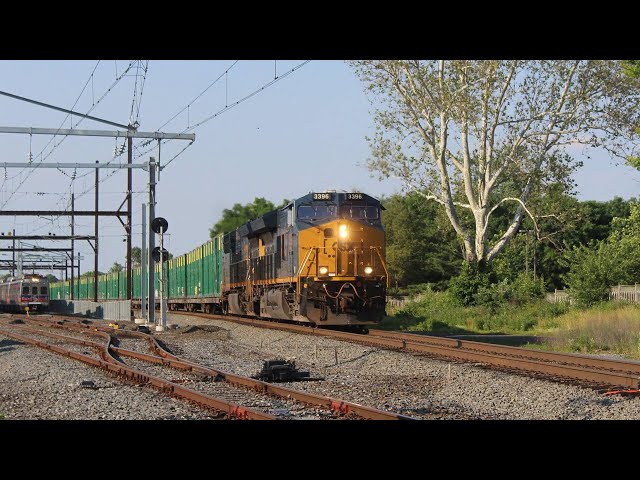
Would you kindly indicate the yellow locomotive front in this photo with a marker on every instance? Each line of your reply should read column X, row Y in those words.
column 342, row 275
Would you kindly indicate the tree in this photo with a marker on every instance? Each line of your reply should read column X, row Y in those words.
column 51, row 278
column 632, row 70
column 239, row 214
column 116, row 267
column 90, row 274
column 474, row 135
column 594, row 268
column 136, row 256
column 421, row 245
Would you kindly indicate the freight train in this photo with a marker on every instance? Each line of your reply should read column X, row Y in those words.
column 29, row 292
column 319, row 260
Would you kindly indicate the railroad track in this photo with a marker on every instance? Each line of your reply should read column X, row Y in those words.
column 232, row 392
column 586, row 370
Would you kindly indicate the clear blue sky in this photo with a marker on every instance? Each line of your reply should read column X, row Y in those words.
column 304, row 133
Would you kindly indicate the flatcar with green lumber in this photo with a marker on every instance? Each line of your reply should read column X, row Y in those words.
column 319, row 260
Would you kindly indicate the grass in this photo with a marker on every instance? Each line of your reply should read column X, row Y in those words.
column 610, row 327
column 437, row 312
column 606, row 328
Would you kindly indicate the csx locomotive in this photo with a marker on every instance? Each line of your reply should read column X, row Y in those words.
column 319, row 260
column 27, row 291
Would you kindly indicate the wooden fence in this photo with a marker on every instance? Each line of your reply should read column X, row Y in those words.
column 624, row 293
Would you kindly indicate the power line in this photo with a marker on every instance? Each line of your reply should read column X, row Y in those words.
column 199, row 95
column 80, row 121
column 255, row 92
column 229, row 107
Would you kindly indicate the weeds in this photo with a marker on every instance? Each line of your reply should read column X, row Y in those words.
column 609, row 327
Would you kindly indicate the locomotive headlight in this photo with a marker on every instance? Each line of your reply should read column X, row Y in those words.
column 323, row 270
column 368, row 270
column 343, row 231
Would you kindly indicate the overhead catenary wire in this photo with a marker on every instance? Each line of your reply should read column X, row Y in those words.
column 137, row 94
column 229, row 107
column 60, row 127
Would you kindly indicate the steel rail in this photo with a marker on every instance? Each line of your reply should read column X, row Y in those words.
column 170, row 360
column 563, row 358
column 165, row 386
column 571, row 372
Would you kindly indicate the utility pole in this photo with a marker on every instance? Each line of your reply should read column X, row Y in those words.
column 163, row 310
column 143, row 258
column 152, row 239
column 129, row 206
column 13, row 265
column 73, row 221
column 95, row 271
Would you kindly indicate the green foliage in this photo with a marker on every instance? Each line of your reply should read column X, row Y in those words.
column 493, row 295
column 596, row 267
column 136, row 256
column 468, row 283
column 592, row 270
column 411, row 290
column 421, row 244
column 90, row 274
column 239, row 214
column 526, row 288
column 424, row 111
column 441, row 312
column 523, row 289
column 51, row 278
column 631, row 68
column 116, row 267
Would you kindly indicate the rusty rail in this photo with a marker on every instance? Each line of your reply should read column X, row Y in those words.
column 561, row 358
column 165, row 386
column 566, row 366
column 167, row 359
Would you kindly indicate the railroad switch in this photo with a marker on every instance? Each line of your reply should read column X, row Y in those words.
column 281, row 371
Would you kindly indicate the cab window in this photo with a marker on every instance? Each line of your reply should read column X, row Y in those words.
column 359, row 212
column 43, row 290
column 25, row 290
column 306, row 212
column 34, row 290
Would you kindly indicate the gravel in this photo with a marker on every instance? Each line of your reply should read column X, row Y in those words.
column 38, row 384
column 409, row 384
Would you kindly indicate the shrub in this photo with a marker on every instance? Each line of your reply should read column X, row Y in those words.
column 526, row 288
column 494, row 296
column 465, row 287
column 592, row 270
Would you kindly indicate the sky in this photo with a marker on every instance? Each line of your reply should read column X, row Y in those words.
column 305, row 132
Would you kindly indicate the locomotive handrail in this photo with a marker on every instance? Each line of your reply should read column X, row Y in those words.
column 300, row 270
column 384, row 265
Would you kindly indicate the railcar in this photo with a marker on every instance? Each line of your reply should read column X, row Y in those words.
column 27, row 291
column 319, row 260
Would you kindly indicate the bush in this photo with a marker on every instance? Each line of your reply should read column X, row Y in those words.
column 526, row 288
column 494, row 296
column 592, row 270
column 465, row 287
